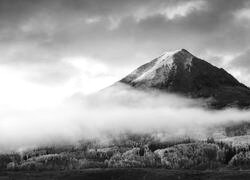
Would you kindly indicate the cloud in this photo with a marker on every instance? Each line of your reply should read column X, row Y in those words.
column 243, row 13
column 242, row 61
column 240, row 66
column 37, row 36
column 50, row 50
column 169, row 10
column 114, row 111
column 115, row 32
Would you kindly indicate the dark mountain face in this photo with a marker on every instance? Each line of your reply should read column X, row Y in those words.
column 183, row 73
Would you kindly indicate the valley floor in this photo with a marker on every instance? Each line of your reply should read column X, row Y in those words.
column 127, row 174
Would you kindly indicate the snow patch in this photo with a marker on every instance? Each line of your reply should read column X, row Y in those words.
column 166, row 60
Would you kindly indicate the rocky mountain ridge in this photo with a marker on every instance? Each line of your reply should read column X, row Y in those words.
column 183, row 73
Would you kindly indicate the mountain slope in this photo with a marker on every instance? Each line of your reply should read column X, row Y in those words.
column 183, row 73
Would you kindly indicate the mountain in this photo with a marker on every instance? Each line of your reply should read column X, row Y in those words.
column 183, row 73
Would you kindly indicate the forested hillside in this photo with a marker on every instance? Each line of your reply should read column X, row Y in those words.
column 132, row 151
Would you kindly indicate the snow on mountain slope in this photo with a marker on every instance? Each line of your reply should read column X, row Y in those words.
column 166, row 60
column 160, row 68
column 183, row 73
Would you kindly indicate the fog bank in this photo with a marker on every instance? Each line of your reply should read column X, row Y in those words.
column 109, row 113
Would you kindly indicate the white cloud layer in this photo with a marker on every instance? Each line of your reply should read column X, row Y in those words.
column 110, row 113
column 170, row 11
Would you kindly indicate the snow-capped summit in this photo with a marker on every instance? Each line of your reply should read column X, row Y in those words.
column 161, row 68
column 157, row 70
column 183, row 73
column 182, row 55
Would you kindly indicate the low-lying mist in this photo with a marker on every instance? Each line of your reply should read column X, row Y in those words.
column 110, row 112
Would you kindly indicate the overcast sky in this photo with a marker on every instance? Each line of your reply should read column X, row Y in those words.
column 50, row 50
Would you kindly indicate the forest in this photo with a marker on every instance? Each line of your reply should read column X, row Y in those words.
column 131, row 151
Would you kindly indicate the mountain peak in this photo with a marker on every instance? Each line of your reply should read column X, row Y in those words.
column 178, row 57
column 177, row 51
column 156, row 70
column 181, row 72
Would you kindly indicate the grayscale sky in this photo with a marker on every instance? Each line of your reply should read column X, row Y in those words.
column 51, row 49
